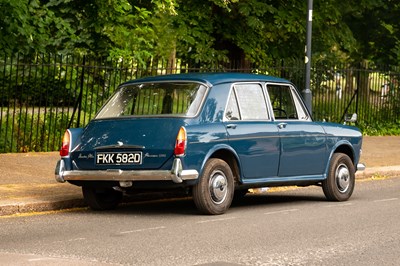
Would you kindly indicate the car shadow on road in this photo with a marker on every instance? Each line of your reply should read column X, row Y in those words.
column 164, row 206
column 186, row 206
column 275, row 199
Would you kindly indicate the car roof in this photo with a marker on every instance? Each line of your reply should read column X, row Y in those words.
column 210, row 78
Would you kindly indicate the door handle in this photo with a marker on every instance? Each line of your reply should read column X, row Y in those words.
column 282, row 125
column 233, row 126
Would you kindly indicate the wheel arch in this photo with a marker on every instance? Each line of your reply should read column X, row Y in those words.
column 227, row 154
column 344, row 147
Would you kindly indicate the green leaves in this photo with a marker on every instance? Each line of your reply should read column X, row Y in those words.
column 30, row 27
column 203, row 30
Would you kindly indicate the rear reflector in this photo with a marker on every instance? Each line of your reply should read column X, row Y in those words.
column 180, row 144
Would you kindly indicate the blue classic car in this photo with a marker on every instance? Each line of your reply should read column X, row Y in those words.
column 214, row 135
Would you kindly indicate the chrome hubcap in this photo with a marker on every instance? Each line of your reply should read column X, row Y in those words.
column 218, row 187
column 342, row 178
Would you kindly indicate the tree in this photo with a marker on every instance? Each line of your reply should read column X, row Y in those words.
column 107, row 27
column 251, row 31
column 28, row 26
column 377, row 32
column 238, row 30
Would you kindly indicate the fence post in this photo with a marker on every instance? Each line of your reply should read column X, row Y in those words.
column 78, row 103
column 358, row 94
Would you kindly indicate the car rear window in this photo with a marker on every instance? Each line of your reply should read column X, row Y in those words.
column 149, row 99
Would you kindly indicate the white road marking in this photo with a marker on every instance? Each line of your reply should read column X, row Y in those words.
column 282, row 211
column 143, row 230
column 216, row 220
column 69, row 240
column 338, row 205
column 383, row 200
column 40, row 259
column 76, row 239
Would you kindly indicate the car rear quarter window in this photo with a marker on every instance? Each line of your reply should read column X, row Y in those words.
column 155, row 99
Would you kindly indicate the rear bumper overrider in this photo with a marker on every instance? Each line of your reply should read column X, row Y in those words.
column 360, row 167
column 176, row 174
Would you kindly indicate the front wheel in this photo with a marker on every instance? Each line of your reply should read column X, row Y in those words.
column 340, row 183
column 213, row 193
column 101, row 199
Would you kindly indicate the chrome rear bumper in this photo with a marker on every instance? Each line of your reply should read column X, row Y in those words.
column 176, row 174
column 360, row 167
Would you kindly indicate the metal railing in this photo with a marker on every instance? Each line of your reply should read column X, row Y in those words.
column 42, row 95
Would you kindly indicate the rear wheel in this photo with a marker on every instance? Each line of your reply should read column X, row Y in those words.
column 340, row 183
column 100, row 199
column 213, row 193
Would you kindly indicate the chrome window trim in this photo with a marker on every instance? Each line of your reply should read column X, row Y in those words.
column 207, row 86
column 232, row 90
column 298, row 101
column 293, row 91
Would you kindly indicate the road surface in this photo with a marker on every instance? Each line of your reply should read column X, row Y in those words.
column 293, row 227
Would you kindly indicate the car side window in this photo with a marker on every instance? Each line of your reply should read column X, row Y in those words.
column 232, row 109
column 285, row 103
column 247, row 102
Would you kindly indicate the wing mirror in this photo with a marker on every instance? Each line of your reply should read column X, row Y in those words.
column 350, row 118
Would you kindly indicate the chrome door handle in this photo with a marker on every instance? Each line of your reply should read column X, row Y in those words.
column 233, row 126
column 282, row 125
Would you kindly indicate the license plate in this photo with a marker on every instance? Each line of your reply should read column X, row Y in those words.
column 119, row 158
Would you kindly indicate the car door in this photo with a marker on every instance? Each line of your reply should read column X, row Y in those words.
column 303, row 147
column 251, row 131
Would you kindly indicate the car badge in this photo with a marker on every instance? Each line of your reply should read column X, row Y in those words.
column 120, row 143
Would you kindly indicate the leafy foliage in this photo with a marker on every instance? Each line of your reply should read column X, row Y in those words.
column 29, row 26
column 203, row 30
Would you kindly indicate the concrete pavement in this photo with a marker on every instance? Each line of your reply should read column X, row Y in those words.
column 27, row 181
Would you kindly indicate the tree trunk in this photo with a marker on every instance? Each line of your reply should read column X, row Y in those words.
column 363, row 81
column 171, row 65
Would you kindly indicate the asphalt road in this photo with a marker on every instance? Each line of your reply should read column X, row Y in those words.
column 295, row 227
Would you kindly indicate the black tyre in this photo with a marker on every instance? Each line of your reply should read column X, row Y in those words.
column 213, row 193
column 340, row 183
column 101, row 199
column 239, row 195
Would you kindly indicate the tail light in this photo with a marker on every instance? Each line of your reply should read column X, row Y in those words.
column 66, row 142
column 180, row 144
